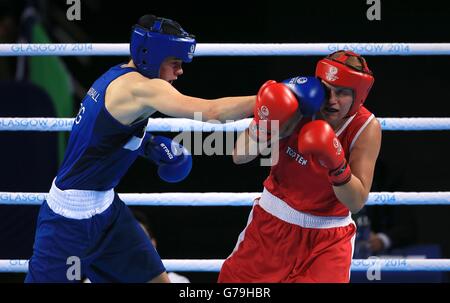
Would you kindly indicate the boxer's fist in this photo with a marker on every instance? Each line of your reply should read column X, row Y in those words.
column 318, row 139
column 275, row 105
column 310, row 93
column 174, row 161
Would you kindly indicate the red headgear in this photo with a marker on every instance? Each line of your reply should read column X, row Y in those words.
column 337, row 72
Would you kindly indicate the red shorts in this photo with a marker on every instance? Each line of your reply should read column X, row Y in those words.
column 272, row 250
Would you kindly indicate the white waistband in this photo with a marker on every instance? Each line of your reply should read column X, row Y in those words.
column 79, row 204
column 280, row 209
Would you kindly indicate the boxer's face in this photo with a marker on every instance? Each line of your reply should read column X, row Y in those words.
column 337, row 103
column 170, row 69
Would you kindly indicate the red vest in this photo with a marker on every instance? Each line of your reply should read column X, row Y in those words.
column 303, row 183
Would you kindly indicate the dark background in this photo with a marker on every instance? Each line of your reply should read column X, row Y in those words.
column 405, row 86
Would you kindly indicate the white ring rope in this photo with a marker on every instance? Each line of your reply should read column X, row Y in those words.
column 231, row 49
column 214, row 265
column 178, row 125
column 232, row 199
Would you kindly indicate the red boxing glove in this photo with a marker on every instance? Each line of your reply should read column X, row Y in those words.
column 274, row 102
column 319, row 139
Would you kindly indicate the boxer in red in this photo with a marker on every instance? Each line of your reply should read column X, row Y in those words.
column 300, row 229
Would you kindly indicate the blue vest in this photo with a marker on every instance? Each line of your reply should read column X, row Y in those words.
column 100, row 148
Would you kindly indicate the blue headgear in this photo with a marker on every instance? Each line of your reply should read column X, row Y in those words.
column 150, row 46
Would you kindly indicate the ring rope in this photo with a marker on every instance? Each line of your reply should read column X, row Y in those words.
column 178, row 124
column 214, row 265
column 232, row 199
column 230, row 49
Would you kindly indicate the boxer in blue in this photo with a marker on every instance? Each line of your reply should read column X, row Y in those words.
column 83, row 219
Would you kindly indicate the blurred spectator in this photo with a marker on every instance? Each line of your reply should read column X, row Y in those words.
column 9, row 11
column 383, row 228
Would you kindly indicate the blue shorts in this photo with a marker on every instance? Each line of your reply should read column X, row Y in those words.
column 110, row 246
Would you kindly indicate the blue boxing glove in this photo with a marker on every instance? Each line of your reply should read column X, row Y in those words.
column 310, row 93
column 174, row 161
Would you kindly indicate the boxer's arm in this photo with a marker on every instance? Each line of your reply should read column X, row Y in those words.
column 246, row 149
column 163, row 97
column 363, row 156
